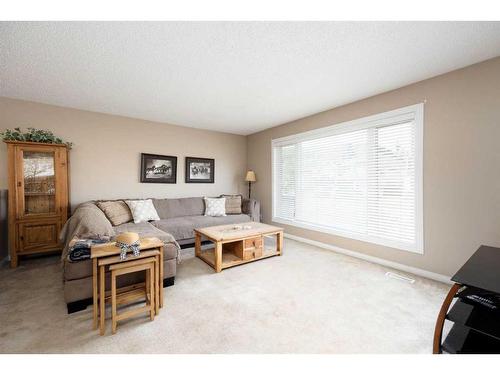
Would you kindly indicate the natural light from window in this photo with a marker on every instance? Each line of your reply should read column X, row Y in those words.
column 361, row 179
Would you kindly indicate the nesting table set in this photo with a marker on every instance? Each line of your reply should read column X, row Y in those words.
column 107, row 256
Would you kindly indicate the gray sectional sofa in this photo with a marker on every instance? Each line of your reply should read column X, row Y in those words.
column 178, row 218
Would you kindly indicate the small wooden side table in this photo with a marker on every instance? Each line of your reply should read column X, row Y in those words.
column 150, row 290
column 99, row 254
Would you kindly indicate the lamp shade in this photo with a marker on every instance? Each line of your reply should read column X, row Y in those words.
column 250, row 177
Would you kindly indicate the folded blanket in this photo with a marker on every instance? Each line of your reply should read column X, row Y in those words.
column 80, row 250
column 77, row 254
column 87, row 220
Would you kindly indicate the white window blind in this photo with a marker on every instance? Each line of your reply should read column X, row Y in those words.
column 361, row 179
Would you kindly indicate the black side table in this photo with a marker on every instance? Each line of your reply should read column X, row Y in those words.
column 476, row 310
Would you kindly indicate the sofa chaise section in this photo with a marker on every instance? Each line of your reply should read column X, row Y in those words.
column 88, row 219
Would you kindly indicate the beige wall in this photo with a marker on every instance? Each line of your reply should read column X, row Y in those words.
column 461, row 159
column 461, row 164
column 105, row 159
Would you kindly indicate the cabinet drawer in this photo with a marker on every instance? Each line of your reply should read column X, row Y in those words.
column 39, row 235
column 255, row 242
column 252, row 253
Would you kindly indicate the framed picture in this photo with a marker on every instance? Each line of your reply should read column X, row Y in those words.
column 158, row 168
column 200, row 170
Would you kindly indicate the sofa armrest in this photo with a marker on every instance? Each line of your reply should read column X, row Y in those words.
column 87, row 219
column 251, row 207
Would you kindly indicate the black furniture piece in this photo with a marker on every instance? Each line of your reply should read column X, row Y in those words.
column 475, row 313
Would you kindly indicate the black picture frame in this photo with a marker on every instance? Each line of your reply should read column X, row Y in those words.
column 191, row 162
column 148, row 176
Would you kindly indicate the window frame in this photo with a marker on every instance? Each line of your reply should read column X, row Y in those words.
column 412, row 112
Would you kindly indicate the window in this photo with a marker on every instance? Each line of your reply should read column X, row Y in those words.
column 360, row 179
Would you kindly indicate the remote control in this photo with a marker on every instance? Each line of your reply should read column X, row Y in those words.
column 483, row 301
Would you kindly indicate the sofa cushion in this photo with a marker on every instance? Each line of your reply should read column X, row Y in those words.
column 143, row 210
column 82, row 269
column 170, row 208
column 182, row 227
column 116, row 211
column 233, row 204
column 215, row 206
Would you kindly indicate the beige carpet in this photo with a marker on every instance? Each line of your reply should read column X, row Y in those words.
column 307, row 301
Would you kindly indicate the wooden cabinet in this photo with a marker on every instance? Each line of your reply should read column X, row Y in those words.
column 38, row 235
column 38, row 197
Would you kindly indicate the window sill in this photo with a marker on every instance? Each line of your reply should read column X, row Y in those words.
column 373, row 240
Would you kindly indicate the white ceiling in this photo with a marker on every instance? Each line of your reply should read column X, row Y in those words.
column 237, row 77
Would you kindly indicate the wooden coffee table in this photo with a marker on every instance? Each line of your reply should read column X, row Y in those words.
column 236, row 244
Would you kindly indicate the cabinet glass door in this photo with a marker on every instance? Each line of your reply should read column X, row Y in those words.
column 39, row 182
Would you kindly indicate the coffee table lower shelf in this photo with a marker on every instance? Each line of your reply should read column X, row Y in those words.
column 230, row 259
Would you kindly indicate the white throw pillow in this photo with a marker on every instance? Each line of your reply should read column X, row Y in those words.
column 215, row 206
column 143, row 210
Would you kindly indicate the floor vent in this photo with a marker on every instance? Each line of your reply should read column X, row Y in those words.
column 396, row 276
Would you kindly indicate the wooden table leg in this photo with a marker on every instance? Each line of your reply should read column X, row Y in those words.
column 152, row 291
column 94, row 292
column 197, row 244
column 113, row 302
column 147, row 283
column 102, row 301
column 279, row 242
column 161, row 276
column 157, row 285
column 218, row 256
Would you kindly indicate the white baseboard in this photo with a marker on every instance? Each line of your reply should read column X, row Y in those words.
column 372, row 259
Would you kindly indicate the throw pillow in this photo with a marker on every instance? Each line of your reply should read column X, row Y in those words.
column 233, row 204
column 143, row 210
column 116, row 211
column 215, row 206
